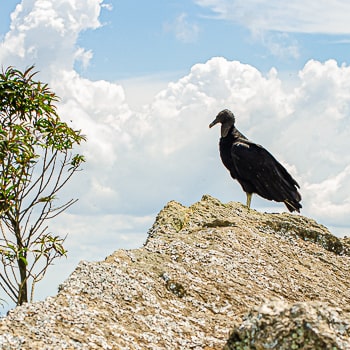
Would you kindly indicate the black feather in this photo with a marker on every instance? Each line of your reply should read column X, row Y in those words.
column 254, row 167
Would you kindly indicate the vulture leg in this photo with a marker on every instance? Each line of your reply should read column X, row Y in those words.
column 249, row 199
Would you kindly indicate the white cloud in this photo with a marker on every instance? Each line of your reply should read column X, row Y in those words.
column 279, row 44
column 139, row 160
column 295, row 16
column 44, row 33
column 108, row 7
column 83, row 56
column 307, row 127
column 184, row 30
column 270, row 20
column 330, row 197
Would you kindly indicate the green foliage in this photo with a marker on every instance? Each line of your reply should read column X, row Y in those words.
column 36, row 161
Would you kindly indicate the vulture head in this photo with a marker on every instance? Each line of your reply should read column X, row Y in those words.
column 227, row 120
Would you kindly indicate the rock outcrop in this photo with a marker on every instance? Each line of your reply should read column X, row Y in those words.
column 283, row 326
column 210, row 276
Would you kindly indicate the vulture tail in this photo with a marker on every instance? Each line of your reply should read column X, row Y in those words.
column 292, row 205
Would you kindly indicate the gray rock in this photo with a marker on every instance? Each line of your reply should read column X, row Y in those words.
column 202, row 269
column 284, row 326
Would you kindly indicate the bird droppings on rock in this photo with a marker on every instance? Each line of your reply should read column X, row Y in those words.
column 194, row 280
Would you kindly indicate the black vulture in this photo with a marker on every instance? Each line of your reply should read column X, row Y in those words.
column 254, row 167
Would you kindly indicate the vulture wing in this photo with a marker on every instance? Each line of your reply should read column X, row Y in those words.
column 259, row 172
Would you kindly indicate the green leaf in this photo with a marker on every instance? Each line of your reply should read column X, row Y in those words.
column 22, row 258
column 47, row 199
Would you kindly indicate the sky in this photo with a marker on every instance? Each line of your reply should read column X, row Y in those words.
column 143, row 80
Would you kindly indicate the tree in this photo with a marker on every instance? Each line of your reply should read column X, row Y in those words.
column 36, row 160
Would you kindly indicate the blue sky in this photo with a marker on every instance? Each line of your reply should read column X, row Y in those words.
column 143, row 80
column 145, row 38
column 154, row 28
column 154, row 37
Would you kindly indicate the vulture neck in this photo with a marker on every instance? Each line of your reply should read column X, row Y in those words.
column 231, row 133
column 227, row 128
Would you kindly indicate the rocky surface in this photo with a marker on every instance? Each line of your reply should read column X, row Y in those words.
column 283, row 326
column 206, row 271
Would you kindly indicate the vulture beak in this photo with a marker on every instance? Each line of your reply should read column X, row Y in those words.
column 213, row 123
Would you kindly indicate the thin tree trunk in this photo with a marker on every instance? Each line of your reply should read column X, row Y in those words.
column 22, row 266
column 23, row 288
